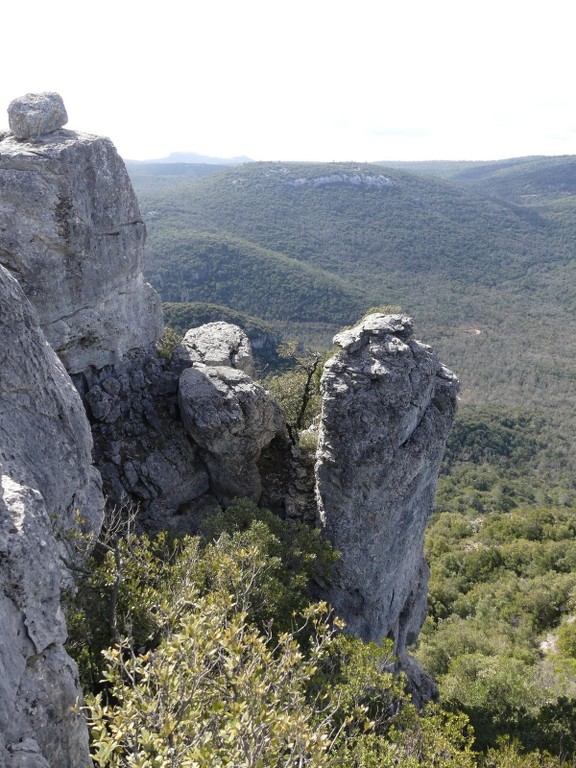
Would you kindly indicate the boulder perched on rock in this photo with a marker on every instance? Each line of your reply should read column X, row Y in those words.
column 36, row 114
column 232, row 419
column 49, row 492
column 388, row 405
column 215, row 344
column 72, row 234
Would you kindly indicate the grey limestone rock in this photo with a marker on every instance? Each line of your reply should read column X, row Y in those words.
column 215, row 344
column 45, row 438
column 388, row 406
column 36, row 114
column 72, row 234
column 47, row 484
column 26, row 754
column 141, row 448
column 232, row 419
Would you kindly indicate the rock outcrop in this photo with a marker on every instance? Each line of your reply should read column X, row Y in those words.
column 48, row 490
column 140, row 445
column 388, row 405
column 215, row 344
column 178, row 438
column 180, row 443
column 72, row 234
column 232, row 419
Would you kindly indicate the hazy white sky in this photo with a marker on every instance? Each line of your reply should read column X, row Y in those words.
column 305, row 79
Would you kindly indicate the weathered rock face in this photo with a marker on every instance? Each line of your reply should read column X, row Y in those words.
column 141, row 448
column 181, row 444
column 36, row 114
column 232, row 419
column 388, row 405
column 72, row 234
column 215, row 344
column 46, row 481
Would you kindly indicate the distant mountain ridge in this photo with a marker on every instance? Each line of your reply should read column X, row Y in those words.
column 463, row 170
column 194, row 157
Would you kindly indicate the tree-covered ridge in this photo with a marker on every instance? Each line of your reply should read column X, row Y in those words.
column 184, row 315
column 523, row 179
column 411, row 223
column 502, row 551
column 502, row 589
column 460, row 169
column 188, row 266
column 491, row 281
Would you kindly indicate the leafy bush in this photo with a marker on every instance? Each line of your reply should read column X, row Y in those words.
column 167, row 342
column 567, row 639
column 216, row 690
column 218, row 656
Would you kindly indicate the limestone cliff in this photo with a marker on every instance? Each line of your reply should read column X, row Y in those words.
column 72, row 234
column 388, row 405
column 46, row 477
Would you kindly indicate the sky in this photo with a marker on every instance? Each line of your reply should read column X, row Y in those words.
column 362, row 80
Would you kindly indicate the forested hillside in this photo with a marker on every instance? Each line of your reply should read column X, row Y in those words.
column 488, row 280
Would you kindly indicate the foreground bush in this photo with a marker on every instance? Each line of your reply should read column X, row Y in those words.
column 222, row 658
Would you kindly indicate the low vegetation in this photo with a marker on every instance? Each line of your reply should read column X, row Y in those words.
column 219, row 656
column 213, row 650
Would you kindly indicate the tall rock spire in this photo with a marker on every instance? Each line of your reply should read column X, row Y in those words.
column 388, row 405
